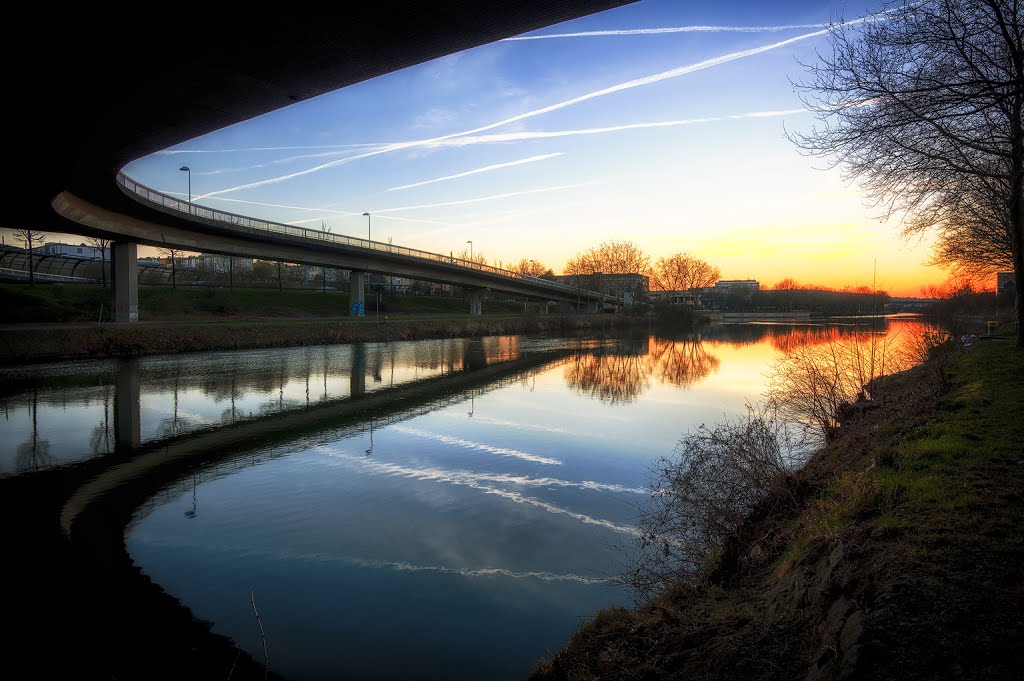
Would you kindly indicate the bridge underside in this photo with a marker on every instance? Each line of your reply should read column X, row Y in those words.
column 187, row 234
column 118, row 82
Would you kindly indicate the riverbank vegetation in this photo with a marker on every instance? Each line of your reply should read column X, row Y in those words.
column 21, row 346
column 895, row 552
column 90, row 303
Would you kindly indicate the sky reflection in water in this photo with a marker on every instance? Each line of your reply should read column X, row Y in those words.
column 462, row 537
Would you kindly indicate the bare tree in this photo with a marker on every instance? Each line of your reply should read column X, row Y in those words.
column 611, row 257
column 101, row 245
column 682, row 272
column 30, row 238
column 531, row 268
column 476, row 257
column 171, row 253
column 814, row 384
column 924, row 106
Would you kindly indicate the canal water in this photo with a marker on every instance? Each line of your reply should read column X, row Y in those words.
column 440, row 509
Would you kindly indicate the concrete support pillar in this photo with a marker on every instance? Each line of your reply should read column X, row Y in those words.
column 356, row 293
column 124, row 274
column 476, row 300
column 544, row 306
column 127, row 410
column 357, row 379
column 474, row 356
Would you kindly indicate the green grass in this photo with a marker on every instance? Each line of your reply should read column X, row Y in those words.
column 936, row 472
column 81, row 303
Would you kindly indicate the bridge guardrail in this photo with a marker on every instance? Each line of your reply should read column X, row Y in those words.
column 244, row 221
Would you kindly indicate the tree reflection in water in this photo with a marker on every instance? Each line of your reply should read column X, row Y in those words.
column 684, row 362
column 34, row 453
column 620, row 372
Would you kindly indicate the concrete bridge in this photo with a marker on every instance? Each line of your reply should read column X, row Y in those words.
column 165, row 221
column 135, row 83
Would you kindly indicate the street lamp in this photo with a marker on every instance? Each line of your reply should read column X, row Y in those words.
column 470, row 242
column 367, row 226
column 186, row 169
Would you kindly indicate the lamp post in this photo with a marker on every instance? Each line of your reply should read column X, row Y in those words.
column 470, row 242
column 367, row 226
column 186, row 169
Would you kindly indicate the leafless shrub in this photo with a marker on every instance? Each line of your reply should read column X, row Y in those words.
column 812, row 386
column 936, row 346
column 702, row 494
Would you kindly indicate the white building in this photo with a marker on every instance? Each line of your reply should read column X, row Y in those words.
column 79, row 251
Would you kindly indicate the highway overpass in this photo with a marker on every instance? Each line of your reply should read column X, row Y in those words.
column 179, row 224
column 103, row 85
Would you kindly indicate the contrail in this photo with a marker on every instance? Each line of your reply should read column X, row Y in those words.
column 478, row 199
column 477, row 446
column 423, row 221
column 171, row 152
column 469, row 481
column 501, row 138
column 549, row 134
column 628, row 85
column 485, row 169
column 316, row 209
column 670, row 29
column 396, row 565
column 461, row 476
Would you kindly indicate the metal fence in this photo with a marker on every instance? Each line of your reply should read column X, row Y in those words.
column 249, row 224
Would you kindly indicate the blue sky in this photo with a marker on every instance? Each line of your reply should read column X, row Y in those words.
column 543, row 148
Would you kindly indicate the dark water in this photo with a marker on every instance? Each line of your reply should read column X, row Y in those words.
column 449, row 509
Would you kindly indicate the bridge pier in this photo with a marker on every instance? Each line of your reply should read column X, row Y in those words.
column 124, row 275
column 357, row 379
column 476, row 301
column 356, row 293
column 127, row 411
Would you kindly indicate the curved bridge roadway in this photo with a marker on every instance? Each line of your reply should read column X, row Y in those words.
column 199, row 228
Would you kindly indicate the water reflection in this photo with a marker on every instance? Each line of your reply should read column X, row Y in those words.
column 34, row 453
column 620, row 372
column 392, row 500
column 123, row 405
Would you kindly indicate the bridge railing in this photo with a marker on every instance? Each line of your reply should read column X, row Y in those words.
column 245, row 222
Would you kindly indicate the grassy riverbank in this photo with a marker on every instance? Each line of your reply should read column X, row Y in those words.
column 896, row 553
column 91, row 303
column 69, row 342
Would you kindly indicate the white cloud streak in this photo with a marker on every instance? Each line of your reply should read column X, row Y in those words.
column 474, row 481
column 669, row 29
column 396, row 565
column 476, row 171
column 504, row 138
column 492, row 197
column 316, row 209
column 477, row 446
column 171, row 152
column 620, row 87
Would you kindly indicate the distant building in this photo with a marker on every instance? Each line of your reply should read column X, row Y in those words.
column 691, row 298
column 737, row 286
column 222, row 263
column 1005, row 280
column 637, row 285
column 79, row 251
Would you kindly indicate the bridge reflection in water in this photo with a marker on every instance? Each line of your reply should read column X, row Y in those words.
column 134, row 403
column 129, row 403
